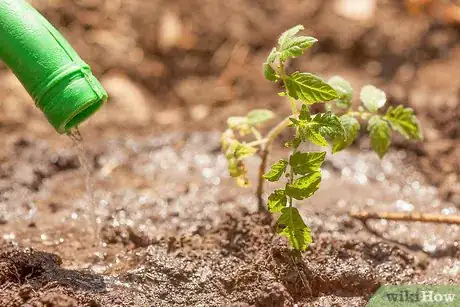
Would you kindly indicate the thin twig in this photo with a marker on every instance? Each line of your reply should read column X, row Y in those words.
column 408, row 216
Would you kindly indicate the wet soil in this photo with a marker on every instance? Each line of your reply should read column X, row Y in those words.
column 174, row 229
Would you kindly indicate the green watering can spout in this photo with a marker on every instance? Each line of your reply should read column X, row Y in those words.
column 58, row 80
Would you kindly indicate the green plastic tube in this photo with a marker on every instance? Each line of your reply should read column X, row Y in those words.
column 58, row 80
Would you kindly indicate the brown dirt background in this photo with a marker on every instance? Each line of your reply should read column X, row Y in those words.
column 175, row 70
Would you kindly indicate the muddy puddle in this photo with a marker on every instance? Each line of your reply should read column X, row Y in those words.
column 176, row 231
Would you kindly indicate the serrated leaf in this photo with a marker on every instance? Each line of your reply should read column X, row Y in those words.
column 291, row 225
column 276, row 171
column 294, row 143
column 344, row 91
column 309, row 88
column 288, row 35
column 240, row 124
column 296, row 46
column 329, row 125
column 272, row 56
column 238, row 170
column 404, row 121
column 277, row 201
column 236, row 121
column 270, row 73
column 311, row 133
column 234, row 152
column 308, row 131
column 308, row 162
column 372, row 98
column 380, row 134
column 242, row 151
column 304, row 113
column 259, row 116
column 305, row 186
column 351, row 127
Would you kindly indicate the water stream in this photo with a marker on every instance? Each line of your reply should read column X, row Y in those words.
column 90, row 206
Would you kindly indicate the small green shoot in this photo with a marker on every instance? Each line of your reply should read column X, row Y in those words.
column 337, row 127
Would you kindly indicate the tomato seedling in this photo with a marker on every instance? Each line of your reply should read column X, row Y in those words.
column 337, row 126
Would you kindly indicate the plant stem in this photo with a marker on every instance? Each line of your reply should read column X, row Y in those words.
column 256, row 133
column 257, row 143
column 261, row 179
column 291, row 177
column 265, row 148
column 265, row 143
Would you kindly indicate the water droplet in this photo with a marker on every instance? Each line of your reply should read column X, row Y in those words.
column 429, row 247
column 346, row 172
column 454, row 270
column 342, row 203
column 9, row 236
column 380, row 177
column 403, row 205
column 361, row 179
column 448, row 211
column 207, row 172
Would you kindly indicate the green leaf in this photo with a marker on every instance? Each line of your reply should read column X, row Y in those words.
column 240, row 124
column 321, row 127
column 308, row 131
column 372, row 98
column 294, row 143
column 236, row 121
column 308, row 162
column 404, row 121
column 311, row 132
column 380, row 134
column 296, row 46
column 351, row 127
column 291, row 225
column 259, row 116
column 277, row 201
column 344, row 91
column 329, row 125
column 288, row 35
column 304, row 113
column 234, row 152
column 276, row 171
column 305, row 186
column 242, row 151
column 270, row 73
column 272, row 56
column 309, row 88
column 238, row 170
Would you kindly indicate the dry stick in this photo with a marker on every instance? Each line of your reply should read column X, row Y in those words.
column 410, row 217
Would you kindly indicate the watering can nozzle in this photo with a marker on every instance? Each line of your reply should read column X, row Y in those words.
column 58, row 80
